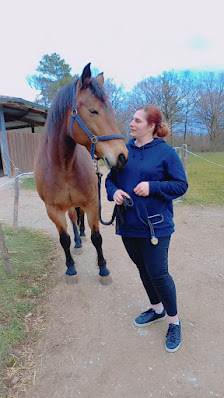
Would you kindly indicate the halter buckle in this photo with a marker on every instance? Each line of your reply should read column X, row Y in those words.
column 94, row 139
column 74, row 112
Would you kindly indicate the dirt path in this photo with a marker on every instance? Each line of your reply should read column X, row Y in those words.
column 90, row 347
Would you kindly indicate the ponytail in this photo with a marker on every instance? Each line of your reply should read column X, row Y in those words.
column 155, row 116
column 162, row 130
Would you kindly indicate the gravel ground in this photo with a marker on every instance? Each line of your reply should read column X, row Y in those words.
column 89, row 346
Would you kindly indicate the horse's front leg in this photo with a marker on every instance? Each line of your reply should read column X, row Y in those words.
column 105, row 277
column 59, row 219
column 96, row 238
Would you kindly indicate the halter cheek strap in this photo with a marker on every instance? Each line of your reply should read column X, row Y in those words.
column 93, row 138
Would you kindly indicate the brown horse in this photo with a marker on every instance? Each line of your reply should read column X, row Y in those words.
column 80, row 119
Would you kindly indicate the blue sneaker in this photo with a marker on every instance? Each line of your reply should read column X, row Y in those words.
column 148, row 317
column 173, row 338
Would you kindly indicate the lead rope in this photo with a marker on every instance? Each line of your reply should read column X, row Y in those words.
column 117, row 212
column 150, row 224
column 99, row 175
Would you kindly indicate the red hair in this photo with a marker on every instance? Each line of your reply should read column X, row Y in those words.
column 155, row 116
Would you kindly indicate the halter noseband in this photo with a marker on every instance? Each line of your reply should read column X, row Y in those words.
column 94, row 138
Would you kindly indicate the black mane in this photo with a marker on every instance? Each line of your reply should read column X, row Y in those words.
column 63, row 101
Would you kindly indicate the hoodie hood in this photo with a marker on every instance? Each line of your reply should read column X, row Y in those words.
column 139, row 152
column 156, row 141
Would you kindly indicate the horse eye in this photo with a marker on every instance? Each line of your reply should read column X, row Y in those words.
column 93, row 112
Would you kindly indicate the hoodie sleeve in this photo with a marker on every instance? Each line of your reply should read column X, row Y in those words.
column 111, row 186
column 175, row 184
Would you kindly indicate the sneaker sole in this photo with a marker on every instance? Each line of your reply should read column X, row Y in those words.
column 172, row 350
column 142, row 325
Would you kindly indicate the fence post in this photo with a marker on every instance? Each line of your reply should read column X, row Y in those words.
column 184, row 157
column 4, row 144
column 184, row 161
column 8, row 265
column 16, row 201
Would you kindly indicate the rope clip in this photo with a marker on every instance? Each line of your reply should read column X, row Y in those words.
column 154, row 239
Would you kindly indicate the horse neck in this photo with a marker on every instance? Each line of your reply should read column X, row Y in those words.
column 61, row 146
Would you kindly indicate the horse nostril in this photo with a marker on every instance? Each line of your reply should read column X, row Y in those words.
column 121, row 161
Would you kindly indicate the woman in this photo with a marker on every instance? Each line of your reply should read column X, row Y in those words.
column 143, row 192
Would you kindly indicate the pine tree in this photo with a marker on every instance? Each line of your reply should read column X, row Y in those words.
column 52, row 74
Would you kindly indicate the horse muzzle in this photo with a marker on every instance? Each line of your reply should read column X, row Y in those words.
column 121, row 161
column 117, row 163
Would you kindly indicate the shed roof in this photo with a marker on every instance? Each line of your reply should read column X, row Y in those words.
column 19, row 113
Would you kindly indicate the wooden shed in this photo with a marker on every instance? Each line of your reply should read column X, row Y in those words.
column 21, row 123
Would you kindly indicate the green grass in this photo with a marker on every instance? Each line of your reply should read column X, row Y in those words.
column 206, row 180
column 28, row 183
column 20, row 293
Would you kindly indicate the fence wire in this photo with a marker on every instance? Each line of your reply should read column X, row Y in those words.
column 14, row 178
column 200, row 157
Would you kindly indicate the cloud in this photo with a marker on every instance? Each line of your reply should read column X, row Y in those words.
column 199, row 43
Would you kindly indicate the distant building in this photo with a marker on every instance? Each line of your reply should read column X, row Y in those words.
column 20, row 123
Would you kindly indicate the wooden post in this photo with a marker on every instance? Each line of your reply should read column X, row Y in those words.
column 8, row 265
column 184, row 157
column 184, row 161
column 4, row 144
column 16, row 201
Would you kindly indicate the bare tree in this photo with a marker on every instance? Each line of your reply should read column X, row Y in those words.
column 115, row 94
column 170, row 92
column 117, row 98
column 210, row 106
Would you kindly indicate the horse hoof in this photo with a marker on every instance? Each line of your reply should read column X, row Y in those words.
column 71, row 279
column 105, row 280
column 78, row 250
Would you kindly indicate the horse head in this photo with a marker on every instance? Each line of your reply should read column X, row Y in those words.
column 95, row 123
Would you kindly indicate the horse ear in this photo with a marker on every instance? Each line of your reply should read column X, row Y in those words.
column 85, row 78
column 100, row 78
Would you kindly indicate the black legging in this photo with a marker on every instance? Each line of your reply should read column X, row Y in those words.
column 152, row 263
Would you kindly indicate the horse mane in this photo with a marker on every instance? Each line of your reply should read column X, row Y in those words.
column 63, row 100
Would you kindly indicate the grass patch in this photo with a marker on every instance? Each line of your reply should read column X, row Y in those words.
column 20, row 292
column 28, row 183
column 206, row 180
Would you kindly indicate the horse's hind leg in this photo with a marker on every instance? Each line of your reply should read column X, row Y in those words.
column 73, row 217
column 96, row 238
column 81, row 223
column 58, row 217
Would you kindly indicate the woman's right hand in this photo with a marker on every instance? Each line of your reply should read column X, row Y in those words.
column 118, row 196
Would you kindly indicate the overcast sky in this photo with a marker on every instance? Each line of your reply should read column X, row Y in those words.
column 126, row 39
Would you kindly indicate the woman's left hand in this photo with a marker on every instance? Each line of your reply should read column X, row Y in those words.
column 142, row 189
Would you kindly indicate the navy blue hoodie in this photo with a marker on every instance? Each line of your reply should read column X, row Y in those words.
column 159, row 164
